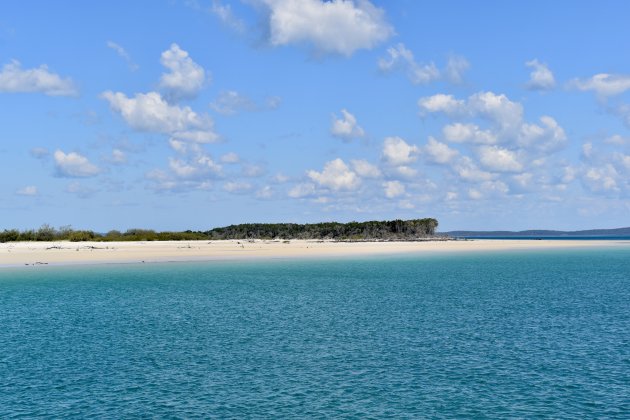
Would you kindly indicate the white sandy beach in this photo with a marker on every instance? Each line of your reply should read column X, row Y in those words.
column 66, row 253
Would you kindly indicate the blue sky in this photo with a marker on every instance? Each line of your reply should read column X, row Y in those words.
column 195, row 114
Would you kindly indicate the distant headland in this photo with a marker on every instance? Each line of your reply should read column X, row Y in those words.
column 394, row 230
column 590, row 233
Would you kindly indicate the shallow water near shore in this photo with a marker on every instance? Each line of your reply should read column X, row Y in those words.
column 505, row 334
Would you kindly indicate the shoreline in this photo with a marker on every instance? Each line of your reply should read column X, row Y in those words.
column 20, row 254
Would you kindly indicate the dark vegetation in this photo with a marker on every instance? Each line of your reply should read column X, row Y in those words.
column 387, row 230
column 374, row 230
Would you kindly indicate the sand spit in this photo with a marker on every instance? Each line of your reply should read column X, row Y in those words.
column 66, row 253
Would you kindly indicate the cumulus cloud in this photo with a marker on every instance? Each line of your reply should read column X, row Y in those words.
column 496, row 108
column 468, row 171
column 336, row 176
column 468, row 133
column 441, row 103
column 337, row 27
column 601, row 179
column 499, row 159
column 604, row 84
column 195, row 167
column 400, row 58
column 185, row 79
column 15, row 79
column 151, row 113
column 438, row 152
column 605, row 169
column 29, row 191
column 504, row 116
column 393, row 189
column 346, row 127
column 73, row 165
column 398, row 152
column 540, row 78
column 547, row 137
column 122, row 53
column 365, row 169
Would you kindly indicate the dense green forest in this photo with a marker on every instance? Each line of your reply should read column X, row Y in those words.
column 382, row 230
column 373, row 230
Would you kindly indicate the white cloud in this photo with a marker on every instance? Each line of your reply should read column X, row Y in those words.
column 236, row 187
column 540, row 78
column 225, row 14
column 74, row 165
column 618, row 140
column 151, row 113
column 546, row 138
column 455, row 68
column 29, row 190
column 338, row 27
column 437, row 152
column 122, row 53
column 440, row 103
column 306, row 189
column 265, row 192
column 465, row 133
column 604, row 84
column 404, row 172
column 185, row 79
column 365, row 169
column 231, row 102
column 393, row 189
column 118, row 157
column 346, row 127
column 230, row 157
column 336, row 175
column 252, row 171
column 498, row 159
column 496, row 108
column 400, row 57
column 14, row 79
column 468, row 171
column 397, row 152
column 602, row 179
column 474, row 194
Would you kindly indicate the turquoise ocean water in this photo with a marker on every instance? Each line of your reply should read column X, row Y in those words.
column 509, row 335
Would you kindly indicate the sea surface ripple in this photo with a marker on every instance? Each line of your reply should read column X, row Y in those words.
column 508, row 335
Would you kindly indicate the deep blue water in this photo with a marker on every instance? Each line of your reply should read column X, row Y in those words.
column 509, row 335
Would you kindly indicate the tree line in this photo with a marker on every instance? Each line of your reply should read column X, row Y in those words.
column 372, row 230
column 66, row 233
